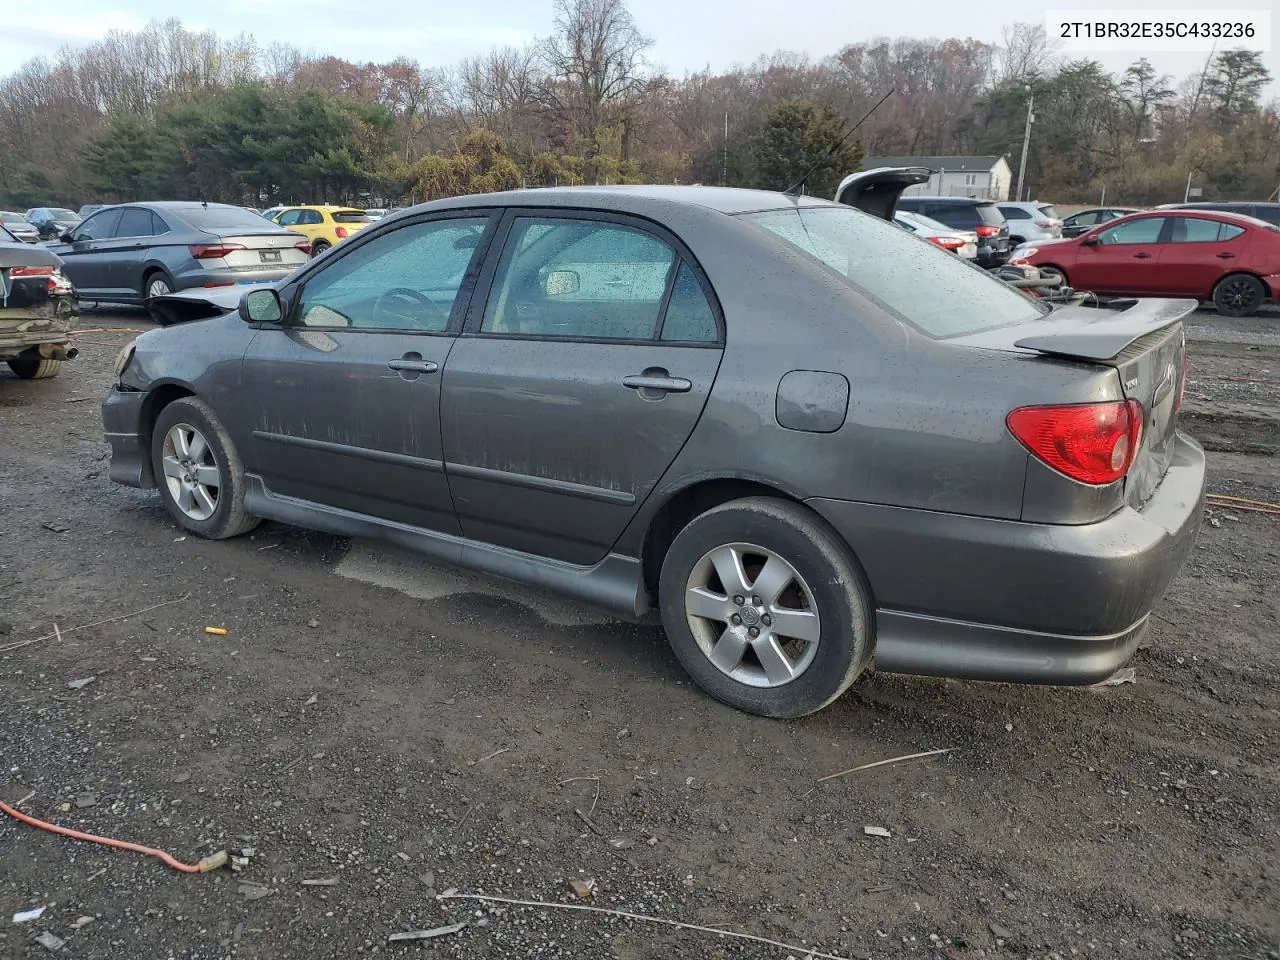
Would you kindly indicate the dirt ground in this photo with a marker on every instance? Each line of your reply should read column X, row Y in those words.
column 404, row 731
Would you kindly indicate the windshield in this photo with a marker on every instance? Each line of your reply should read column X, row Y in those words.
column 931, row 289
column 221, row 218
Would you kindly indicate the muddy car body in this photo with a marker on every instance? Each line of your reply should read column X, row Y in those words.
column 37, row 310
column 805, row 438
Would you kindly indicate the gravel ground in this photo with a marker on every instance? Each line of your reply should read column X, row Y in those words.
column 403, row 731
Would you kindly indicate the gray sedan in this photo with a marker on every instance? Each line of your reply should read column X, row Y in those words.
column 18, row 225
column 131, row 252
column 805, row 439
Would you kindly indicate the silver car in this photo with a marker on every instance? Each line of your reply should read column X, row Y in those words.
column 132, row 252
column 963, row 243
column 1031, row 220
column 18, row 225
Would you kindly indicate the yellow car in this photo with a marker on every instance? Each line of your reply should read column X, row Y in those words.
column 325, row 226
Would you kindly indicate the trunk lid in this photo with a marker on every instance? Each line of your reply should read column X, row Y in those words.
column 271, row 248
column 1143, row 341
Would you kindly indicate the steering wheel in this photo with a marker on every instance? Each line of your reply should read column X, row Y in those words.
column 416, row 318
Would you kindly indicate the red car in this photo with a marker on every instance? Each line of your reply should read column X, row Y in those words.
column 1230, row 259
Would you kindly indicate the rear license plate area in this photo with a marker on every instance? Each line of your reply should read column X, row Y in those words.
column 269, row 256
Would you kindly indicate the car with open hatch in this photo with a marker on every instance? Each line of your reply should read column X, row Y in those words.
column 804, row 439
column 1227, row 259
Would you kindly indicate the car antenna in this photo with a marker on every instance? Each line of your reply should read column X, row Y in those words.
column 838, row 144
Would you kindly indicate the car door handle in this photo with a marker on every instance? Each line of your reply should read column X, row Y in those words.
column 415, row 366
column 658, row 381
column 1142, row 256
column 1226, row 256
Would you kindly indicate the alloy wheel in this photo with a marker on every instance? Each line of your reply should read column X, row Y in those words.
column 158, row 287
column 1239, row 294
column 752, row 615
column 191, row 473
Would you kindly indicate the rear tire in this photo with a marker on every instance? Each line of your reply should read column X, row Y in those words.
column 198, row 471
column 156, row 283
column 1239, row 295
column 318, row 248
column 803, row 595
column 29, row 365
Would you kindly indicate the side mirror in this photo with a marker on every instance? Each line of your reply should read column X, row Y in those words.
column 1089, row 242
column 66, row 237
column 261, row 306
column 562, row 283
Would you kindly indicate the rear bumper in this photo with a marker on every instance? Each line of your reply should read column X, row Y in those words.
column 1002, row 600
column 221, row 278
column 122, row 422
column 1272, row 283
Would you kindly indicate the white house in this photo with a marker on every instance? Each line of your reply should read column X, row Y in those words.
column 987, row 177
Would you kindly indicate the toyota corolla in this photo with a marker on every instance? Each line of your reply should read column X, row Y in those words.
column 807, row 440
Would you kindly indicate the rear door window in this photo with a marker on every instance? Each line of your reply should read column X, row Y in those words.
column 1015, row 213
column 135, row 222
column 580, row 279
column 1199, row 230
column 936, row 292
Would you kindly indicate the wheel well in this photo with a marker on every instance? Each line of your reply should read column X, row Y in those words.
column 157, row 400
column 675, row 514
column 1241, row 273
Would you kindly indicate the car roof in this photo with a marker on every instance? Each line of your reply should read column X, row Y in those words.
column 958, row 201
column 639, row 198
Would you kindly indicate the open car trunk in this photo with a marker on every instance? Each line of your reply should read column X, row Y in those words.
column 1143, row 341
column 877, row 191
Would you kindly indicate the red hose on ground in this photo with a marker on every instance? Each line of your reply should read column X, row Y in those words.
column 204, row 866
column 1219, row 505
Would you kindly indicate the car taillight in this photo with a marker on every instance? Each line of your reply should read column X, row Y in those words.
column 341, row 232
column 304, row 246
column 948, row 243
column 31, row 272
column 986, row 231
column 1093, row 443
column 1046, row 224
column 214, row 251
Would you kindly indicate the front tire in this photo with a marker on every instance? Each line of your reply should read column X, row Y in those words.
column 766, row 608
column 198, row 471
column 29, row 365
column 1239, row 295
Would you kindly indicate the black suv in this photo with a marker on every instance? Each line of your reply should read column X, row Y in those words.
column 983, row 217
column 1270, row 212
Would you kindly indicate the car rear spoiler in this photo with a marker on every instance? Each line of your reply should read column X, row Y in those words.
column 190, row 305
column 1103, row 333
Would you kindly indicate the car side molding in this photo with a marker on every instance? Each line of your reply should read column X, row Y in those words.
column 615, row 584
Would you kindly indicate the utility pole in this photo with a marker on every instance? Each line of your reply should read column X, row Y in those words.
column 1026, row 142
column 724, row 157
column 1186, row 195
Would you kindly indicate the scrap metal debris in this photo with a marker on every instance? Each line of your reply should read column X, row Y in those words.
column 429, row 934
column 22, row 916
column 50, row 942
column 582, row 889
column 81, row 683
column 877, row 832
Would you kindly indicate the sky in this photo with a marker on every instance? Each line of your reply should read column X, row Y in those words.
column 688, row 36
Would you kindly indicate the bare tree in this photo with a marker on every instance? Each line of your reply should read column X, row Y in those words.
column 595, row 59
column 1024, row 54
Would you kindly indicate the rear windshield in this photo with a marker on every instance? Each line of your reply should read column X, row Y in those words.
column 61, row 213
column 933, row 290
column 1048, row 210
column 221, row 218
column 965, row 214
column 8, row 216
column 350, row 216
